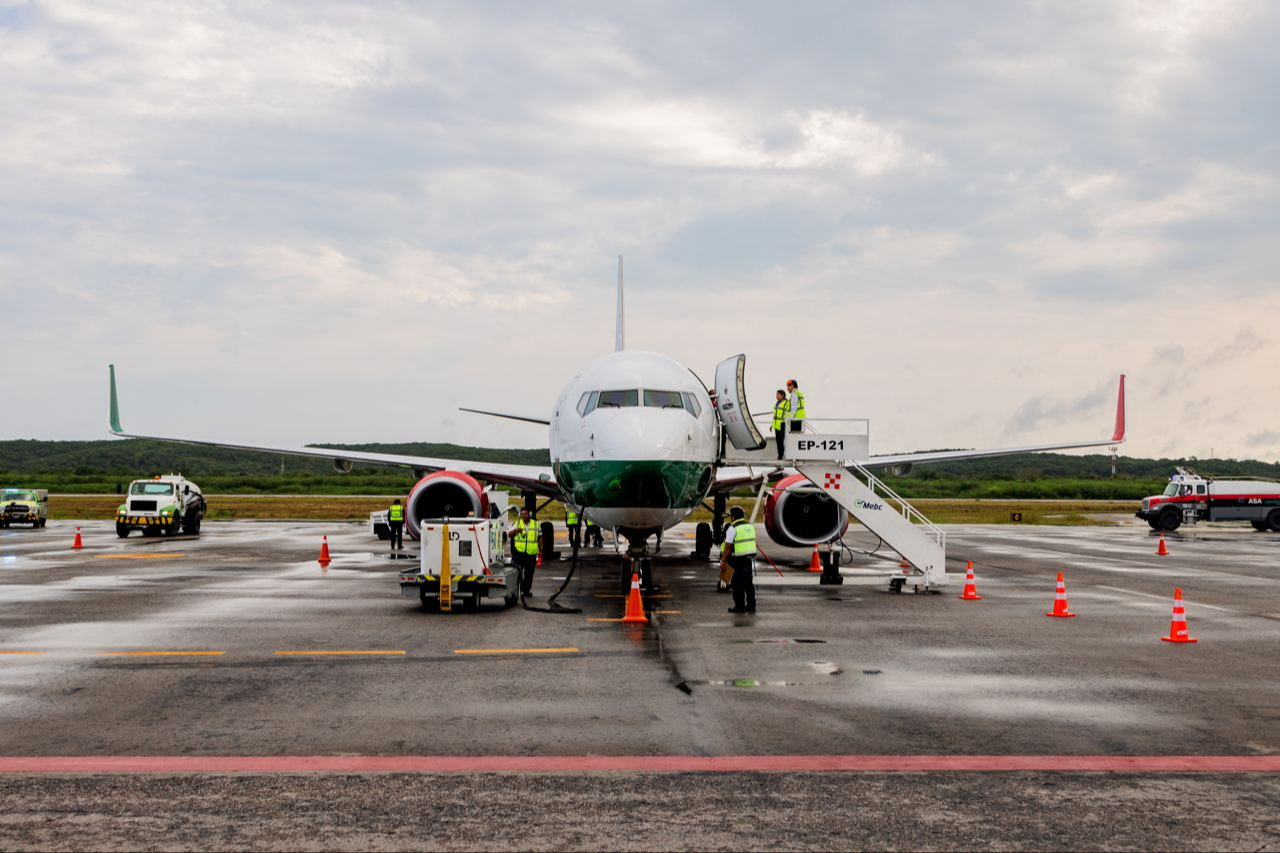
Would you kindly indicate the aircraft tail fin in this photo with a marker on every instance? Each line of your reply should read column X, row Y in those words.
column 619, row 334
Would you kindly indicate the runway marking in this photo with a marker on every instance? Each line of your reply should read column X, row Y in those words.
column 164, row 654
column 144, row 764
column 547, row 651
column 1168, row 598
column 136, row 556
column 603, row 619
column 666, row 612
column 339, row 652
column 19, row 652
column 620, row 595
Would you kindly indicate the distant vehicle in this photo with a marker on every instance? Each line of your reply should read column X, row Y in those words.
column 168, row 504
column 24, row 506
column 1190, row 498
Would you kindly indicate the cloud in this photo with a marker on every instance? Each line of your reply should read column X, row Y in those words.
column 940, row 218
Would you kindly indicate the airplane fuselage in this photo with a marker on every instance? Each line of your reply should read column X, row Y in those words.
column 634, row 441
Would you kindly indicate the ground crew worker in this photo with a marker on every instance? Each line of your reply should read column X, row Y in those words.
column 796, row 400
column 595, row 539
column 739, row 553
column 780, row 410
column 524, row 549
column 574, row 522
column 395, row 521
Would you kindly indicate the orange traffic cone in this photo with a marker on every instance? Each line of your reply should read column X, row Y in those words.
column 970, row 585
column 1060, row 601
column 1163, row 550
column 77, row 545
column 324, row 552
column 1178, row 627
column 815, row 564
column 635, row 606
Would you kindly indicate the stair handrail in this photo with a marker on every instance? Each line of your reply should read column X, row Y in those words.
column 909, row 512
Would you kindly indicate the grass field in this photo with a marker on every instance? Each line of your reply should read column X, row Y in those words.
column 357, row 508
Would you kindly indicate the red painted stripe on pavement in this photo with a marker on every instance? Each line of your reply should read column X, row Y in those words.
column 641, row 764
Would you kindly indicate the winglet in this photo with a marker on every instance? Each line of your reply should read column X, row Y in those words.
column 619, row 336
column 1118, row 436
column 115, row 404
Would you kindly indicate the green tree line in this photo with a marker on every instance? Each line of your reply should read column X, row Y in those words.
column 100, row 467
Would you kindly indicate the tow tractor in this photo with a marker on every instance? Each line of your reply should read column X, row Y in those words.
column 463, row 561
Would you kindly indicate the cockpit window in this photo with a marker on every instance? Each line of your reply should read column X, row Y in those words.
column 618, row 399
column 663, row 399
column 588, row 402
column 691, row 404
column 1170, row 490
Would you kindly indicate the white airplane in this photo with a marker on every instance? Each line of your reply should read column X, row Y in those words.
column 635, row 444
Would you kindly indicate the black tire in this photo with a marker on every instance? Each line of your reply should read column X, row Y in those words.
column 1170, row 519
column 702, row 539
column 1273, row 521
column 43, row 522
column 428, row 603
column 1153, row 524
column 191, row 525
column 122, row 531
column 510, row 600
column 1260, row 526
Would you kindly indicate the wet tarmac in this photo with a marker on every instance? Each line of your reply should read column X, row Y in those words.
column 237, row 642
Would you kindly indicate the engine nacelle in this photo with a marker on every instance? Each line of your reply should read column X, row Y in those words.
column 903, row 470
column 342, row 466
column 444, row 494
column 799, row 514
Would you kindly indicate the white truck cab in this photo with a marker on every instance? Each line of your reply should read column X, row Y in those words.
column 164, row 504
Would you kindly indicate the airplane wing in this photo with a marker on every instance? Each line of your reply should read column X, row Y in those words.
column 535, row 478
column 734, row 477
column 1117, row 437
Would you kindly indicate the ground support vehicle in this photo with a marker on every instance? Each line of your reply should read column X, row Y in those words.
column 1190, row 498
column 170, row 504
column 24, row 506
column 462, row 561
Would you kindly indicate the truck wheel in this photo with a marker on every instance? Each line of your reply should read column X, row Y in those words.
column 191, row 525
column 122, row 531
column 1260, row 526
column 1171, row 519
column 43, row 522
column 1273, row 521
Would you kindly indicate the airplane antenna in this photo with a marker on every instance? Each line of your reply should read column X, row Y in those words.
column 619, row 338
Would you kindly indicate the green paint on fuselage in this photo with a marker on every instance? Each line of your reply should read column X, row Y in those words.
column 647, row 484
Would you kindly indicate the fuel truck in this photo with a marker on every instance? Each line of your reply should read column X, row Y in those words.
column 1190, row 498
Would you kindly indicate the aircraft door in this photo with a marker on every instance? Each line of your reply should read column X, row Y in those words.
column 731, row 404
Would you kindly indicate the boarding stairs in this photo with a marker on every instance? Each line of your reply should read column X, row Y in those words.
column 829, row 462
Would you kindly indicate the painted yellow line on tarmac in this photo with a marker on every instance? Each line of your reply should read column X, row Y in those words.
column 19, row 652
column 618, row 595
column 548, row 651
column 165, row 654
column 601, row 619
column 333, row 652
column 666, row 612
column 137, row 556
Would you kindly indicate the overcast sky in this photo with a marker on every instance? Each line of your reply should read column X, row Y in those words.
column 332, row 221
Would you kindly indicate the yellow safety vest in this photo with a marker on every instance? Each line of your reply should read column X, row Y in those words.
column 798, row 414
column 780, row 410
column 526, row 537
column 744, row 538
column 396, row 513
column 570, row 517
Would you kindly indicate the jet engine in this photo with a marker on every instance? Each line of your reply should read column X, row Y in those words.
column 799, row 514
column 444, row 494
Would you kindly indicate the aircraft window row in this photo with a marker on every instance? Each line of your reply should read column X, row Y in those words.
column 629, row 398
